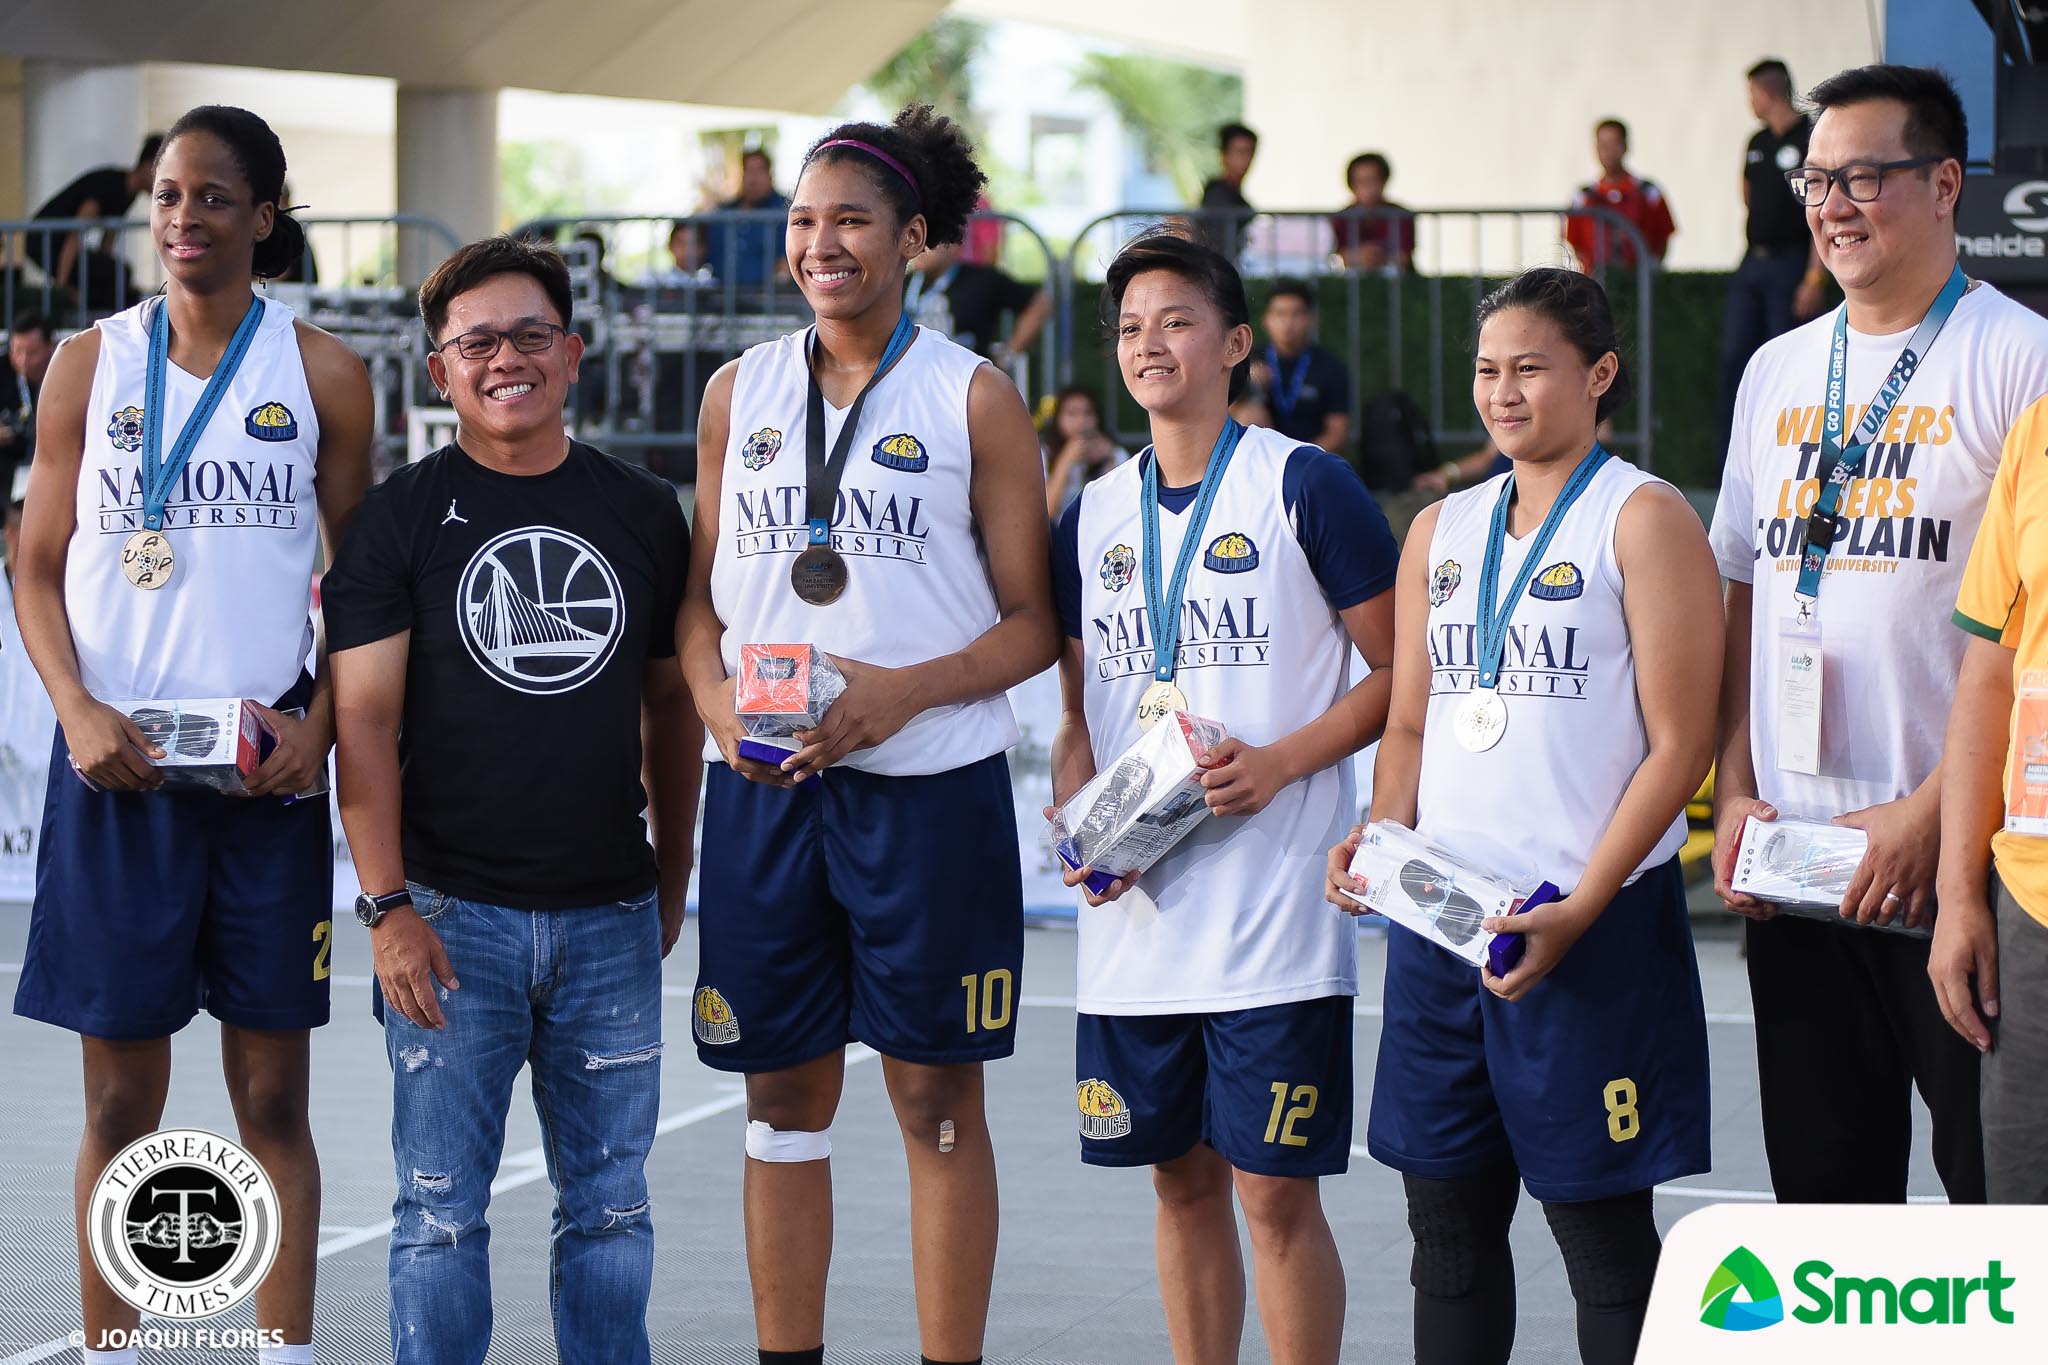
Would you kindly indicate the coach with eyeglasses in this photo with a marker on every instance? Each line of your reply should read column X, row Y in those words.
column 502, row 626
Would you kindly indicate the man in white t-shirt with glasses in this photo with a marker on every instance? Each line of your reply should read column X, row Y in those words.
column 1861, row 459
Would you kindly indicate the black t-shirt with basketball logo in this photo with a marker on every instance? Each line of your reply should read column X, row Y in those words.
column 534, row 603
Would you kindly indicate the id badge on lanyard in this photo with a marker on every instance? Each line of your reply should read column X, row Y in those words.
column 1801, row 666
column 2026, row 768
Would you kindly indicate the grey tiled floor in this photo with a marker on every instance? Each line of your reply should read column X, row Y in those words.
column 1075, row 1282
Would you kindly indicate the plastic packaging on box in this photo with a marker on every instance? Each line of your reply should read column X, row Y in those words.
column 1430, row 892
column 209, row 743
column 782, row 689
column 1804, row 867
column 1140, row 806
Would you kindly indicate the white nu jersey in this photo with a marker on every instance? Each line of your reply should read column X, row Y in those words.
column 917, row 581
column 1539, row 800
column 235, row 619
column 1233, row 917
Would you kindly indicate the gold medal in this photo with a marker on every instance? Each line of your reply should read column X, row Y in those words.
column 1161, row 699
column 147, row 560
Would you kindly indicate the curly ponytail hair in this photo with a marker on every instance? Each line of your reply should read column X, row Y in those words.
column 921, row 163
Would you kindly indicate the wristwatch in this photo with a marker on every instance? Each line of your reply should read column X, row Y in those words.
column 371, row 910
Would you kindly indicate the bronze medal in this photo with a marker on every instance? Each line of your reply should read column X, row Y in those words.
column 147, row 560
column 819, row 575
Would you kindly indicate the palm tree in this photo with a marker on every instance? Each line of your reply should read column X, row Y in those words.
column 1173, row 108
column 935, row 68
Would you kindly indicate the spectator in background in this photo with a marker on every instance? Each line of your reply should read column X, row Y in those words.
column 1077, row 450
column 1598, row 243
column 686, row 250
column 30, row 345
column 966, row 303
column 103, row 192
column 1372, row 232
column 984, row 245
column 1779, row 280
column 1226, row 212
column 748, row 253
column 1298, row 388
column 11, row 535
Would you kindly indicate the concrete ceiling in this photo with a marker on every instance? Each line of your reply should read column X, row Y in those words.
column 801, row 55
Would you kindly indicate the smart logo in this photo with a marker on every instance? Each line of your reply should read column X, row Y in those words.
column 1741, row 1272
column 1830, row 1298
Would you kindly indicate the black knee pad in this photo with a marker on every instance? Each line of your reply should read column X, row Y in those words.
column 1610, row 1248
column 1460, row 1228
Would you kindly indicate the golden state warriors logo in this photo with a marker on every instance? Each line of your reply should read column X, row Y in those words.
column 761, row 448
column 1443, row 581
column 904, row 452
column 1117, row 567
column 715, row 1022
column 1231, row 553
column 1561, row 582
column 124, row 429
column 1103, row 1112
column 271, row 422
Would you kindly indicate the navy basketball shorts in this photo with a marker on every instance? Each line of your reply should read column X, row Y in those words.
column 857, row 907
column 151, row 906
column 1268, row 1088
column 1595, row 1082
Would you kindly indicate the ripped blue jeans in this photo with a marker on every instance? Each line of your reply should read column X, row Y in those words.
column 577, row 994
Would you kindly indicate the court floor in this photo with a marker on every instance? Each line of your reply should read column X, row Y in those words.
column 1074, row 1284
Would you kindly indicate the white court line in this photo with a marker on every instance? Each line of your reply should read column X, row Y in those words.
column 528, row 1166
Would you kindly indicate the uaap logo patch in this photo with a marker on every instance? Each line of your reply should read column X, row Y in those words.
column 1103, row 1112
column 271, row 422
column 715, row 1022
column 904, row 452
column 1561, row 582
column 124, row 429
column 1232, row 552
column 1443, row 581
column 1117, row 567
column 761, row 448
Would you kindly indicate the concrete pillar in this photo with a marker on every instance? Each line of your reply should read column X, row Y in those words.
column 447, row 170
column 13, row 137
column 76, row 117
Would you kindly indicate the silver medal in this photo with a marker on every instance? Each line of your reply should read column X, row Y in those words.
column 1481, row 719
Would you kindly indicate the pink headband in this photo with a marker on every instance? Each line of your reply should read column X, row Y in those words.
column 878, row 154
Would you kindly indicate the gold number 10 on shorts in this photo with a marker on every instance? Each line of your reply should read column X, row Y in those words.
column 990, row 999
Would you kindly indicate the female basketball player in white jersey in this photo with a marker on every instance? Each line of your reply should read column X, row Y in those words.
column 1552, row 727
column 1227, row 571
column 193, row 451
column 875, row 490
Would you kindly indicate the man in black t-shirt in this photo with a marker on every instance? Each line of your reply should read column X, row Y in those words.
column 1226, row 213
column 31, row 345
column 1778, row 283
column 103, row 192
column 501, row 624
column 1298, row 388
column 966, row 302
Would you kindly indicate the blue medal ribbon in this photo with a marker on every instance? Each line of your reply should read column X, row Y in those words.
column 1162, row 603
column 1493, row 624
column 1822, row 528
column 821, row 472
column 1286, row 388
column 160, row 475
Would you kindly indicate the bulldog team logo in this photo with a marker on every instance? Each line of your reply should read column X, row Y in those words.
column 761, row 448
column 1561, row 582
column 540, row 610
column 124, row 429
column 1117, row 567
column 271, row 422
column 903, row 452
column 1104, row 1114
column 1443, row 581
column 715, row 1022
column 183, row 1224
column 1232, row 552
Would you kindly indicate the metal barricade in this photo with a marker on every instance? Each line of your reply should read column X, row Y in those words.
column 1458, row 255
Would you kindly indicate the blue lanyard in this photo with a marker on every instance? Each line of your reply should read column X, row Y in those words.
column 822, row 472
column 1822, row 526
column 916, row 292
column 1164, row 606
column 1493, row 624
column 160, row 475
column 1286, row 390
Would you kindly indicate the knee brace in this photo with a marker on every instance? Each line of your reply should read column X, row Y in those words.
column 1610, row 1248
column 1461, row 1230
column 773, row 1144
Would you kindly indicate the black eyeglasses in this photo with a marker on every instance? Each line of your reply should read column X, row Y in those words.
column 1862, row 181
column 483, row 343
